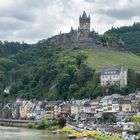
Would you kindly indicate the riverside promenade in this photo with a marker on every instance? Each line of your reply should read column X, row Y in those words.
column 16, row 123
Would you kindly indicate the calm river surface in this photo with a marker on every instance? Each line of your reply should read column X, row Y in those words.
column 12, row 133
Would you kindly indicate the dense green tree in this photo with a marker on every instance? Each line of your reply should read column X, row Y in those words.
column 44, row 72
column 105, row 38
column 62, row 122
column 129, row 34
column 80, row 58
column 131, row 80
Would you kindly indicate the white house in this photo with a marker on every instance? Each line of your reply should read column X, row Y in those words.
column 114, row 75
column 110, row 103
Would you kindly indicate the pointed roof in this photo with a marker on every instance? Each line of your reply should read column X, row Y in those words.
column 84, row 16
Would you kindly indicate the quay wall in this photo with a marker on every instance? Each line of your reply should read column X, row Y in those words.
column 16, row 123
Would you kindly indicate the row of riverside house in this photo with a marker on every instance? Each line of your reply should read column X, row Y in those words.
column 83, row 110
column 35, row 110
column 101, row 109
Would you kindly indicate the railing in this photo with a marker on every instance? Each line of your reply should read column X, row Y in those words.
column 18, row 121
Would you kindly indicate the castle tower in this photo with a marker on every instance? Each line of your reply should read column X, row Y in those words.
column 84, row 25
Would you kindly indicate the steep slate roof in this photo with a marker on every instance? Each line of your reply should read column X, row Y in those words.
column 115, row 95
column 106, row 98
column 111, row 97
column 115, row 101
column 84, row 16
column 43, row 104
column 53, row 103
column 111, row 70
column 125, row 100
column 87, row 104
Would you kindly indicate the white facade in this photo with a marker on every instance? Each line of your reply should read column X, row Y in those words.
column 76, row 107
column 110, row 103
column 115, row 107
column 114, row 75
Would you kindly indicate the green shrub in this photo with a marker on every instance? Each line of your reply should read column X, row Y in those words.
column 42, row 124
column 54, row 127
column 31, row 125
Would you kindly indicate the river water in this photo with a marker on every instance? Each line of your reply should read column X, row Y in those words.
column 13, row 133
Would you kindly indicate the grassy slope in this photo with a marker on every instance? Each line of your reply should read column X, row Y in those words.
column 99, row 58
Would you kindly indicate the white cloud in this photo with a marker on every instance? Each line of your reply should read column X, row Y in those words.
column 32, row 20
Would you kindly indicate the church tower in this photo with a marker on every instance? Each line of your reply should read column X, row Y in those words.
column 84, row 25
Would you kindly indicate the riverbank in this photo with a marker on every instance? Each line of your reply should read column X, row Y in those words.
column 101, row 136
column 72, row 133
column 40, row 124
column 16, row 123
column 69, row 130
column 17, row 133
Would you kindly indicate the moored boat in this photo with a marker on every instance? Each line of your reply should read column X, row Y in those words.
column 54, row 132
column 71, row 136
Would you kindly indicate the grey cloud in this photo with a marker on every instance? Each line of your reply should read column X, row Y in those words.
column 108, row 7
column 17, row 13
column 39, row 19
column 122, row 14
column 5, row 34
column 6, row 26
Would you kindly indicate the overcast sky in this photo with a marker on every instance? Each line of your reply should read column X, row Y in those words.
column 32, row 20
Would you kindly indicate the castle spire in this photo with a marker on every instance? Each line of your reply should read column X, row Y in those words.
column 71, row 29
column 84, row 16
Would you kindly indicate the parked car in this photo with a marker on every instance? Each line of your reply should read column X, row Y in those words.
column 129, row 137
column 80, row 125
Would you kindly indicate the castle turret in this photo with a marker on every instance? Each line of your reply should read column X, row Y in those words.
column 84, row 22
column 71, row 30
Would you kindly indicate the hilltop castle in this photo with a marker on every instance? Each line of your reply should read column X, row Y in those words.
column 83, row 36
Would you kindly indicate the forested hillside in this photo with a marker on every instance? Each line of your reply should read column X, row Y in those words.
column 130, row 35
column 44, row 72
column 11, row 48
column 40, row 72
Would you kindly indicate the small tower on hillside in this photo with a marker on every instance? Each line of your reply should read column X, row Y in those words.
column 84, row 25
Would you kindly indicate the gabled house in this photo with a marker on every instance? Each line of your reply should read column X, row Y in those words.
column 66, row 109
column 7, row 111
column 36, row 110
column 95, row 105
column 25, row 107
column 31, row 112
column 110, row 103
column 16, row 110
column 116, row 75
column 135, row 102
column 90, row 109
column 115, row 105
column 125, row 105
column 39, row 110
column 75, row 109
column 53, row 109
column 85, row 111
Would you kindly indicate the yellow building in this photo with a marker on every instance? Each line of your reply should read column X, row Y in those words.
column 25, row 110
